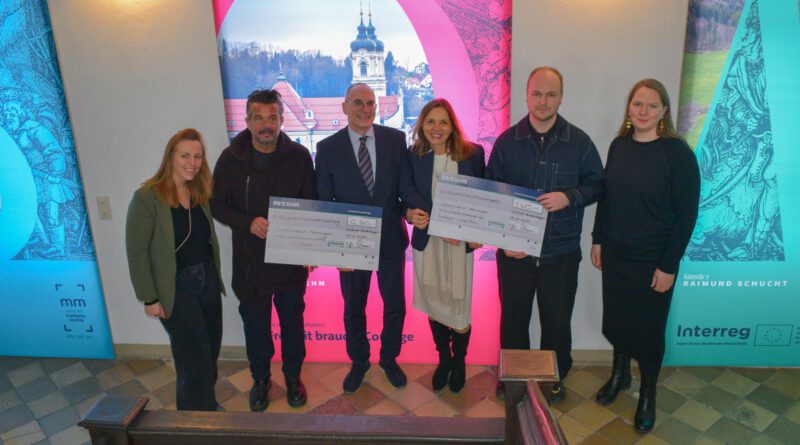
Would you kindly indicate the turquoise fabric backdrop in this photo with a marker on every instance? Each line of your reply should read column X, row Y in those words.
column 736, row 301
column 52, row 301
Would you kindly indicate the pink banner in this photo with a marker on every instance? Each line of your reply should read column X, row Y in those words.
column 467, row 47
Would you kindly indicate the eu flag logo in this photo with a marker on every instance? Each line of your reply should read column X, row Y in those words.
column 773, row 335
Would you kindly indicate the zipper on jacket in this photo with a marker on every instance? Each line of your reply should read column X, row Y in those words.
column 247, row 194
column 247, row 210
column 541, row 144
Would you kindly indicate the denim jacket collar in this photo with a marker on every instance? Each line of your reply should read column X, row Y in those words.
column 523, row 129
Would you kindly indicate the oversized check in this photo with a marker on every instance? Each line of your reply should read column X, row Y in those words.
column 488, row 212
column 323, row 233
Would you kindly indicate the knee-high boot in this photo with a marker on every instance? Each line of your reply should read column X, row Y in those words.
column 458, row 374
column 441, row 338
column 620, row 379
column 645, row 416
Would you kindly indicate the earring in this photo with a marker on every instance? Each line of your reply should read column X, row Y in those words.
column 661, row 125
column 628, row 124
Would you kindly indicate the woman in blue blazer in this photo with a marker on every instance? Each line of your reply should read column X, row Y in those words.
column 443, row 266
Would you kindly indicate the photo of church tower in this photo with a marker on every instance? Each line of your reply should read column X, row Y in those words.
column 367, row 57
column 308, row 120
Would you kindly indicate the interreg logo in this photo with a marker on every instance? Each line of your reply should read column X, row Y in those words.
column 697, row 331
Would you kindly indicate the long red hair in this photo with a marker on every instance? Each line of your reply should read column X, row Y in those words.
column 162, row 183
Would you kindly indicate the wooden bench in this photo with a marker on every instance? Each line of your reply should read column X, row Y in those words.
column 125, row 421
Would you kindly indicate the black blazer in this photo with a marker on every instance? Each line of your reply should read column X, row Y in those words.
column 338, row 179
column 422, row 173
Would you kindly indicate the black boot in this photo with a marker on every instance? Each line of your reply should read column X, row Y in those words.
column 295, row 392
column 620, row 379
column 645, row 416
column 458, row 374
column 441, row 337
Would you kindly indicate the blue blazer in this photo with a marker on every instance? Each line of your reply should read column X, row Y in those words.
column 422, row 173
column 338, row 179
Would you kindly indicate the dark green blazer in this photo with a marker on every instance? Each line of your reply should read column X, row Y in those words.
column 150, row 245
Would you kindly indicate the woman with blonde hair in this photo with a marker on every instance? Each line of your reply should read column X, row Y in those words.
column 443, row 266
column 642, row 227
column 173, row 258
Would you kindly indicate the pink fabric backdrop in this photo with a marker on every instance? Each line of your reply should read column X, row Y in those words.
column 468, row 47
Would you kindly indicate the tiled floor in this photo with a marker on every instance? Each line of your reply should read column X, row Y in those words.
column 41, row 400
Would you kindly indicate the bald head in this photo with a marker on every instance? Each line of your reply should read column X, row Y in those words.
column 359, row 106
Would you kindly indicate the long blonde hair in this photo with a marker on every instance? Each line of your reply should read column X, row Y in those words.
column 668, row 130
column 164, row 186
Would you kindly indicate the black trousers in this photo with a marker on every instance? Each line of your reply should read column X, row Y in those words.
column 355, row 288
column 554, row 282
column 195, row 336
column 257, row 318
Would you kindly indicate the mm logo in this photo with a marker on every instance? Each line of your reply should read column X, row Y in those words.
column 72, row 302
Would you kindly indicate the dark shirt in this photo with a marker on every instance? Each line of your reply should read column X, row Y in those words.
column 540, row 139
column 260, row 161
column 197, row 248
column 651, row 202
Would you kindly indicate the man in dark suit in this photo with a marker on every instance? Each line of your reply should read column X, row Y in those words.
column 367, row 164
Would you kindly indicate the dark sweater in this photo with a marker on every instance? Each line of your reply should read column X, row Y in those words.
column 651, row 202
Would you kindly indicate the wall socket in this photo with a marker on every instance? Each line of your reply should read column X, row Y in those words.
column 104, row 207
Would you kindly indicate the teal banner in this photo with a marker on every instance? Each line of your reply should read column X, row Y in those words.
column 52, row 301
column 736, row 299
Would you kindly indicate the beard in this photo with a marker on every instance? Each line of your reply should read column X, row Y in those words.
column 266, row 137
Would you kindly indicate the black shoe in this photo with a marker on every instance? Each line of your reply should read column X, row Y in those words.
column 259, row 395
column 441, row 373
column 442, row 338
column 458, row 373
column 500, row 390
column 557, row 392
column 295, row 392
column 394, row 374
column 645, row 417
column 620, row 380
column 354, row 378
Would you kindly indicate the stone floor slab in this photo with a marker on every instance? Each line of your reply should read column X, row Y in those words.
column 48, row 404
column 70, row 374
column 36, row 389
column 59, row 421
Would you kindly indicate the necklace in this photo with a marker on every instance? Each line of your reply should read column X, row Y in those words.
column 190, row 227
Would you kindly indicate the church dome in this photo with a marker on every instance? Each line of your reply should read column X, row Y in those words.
column 371, row 35
column 363, row 41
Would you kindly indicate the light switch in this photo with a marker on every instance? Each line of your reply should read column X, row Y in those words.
column 104, row 207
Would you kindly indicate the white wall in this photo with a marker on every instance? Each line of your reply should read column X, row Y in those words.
column 135, row 72
column 601, row 47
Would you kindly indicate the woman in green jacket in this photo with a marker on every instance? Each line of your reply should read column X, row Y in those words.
column 173, row 257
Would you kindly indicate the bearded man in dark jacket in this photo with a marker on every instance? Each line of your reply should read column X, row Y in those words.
column 262, row 162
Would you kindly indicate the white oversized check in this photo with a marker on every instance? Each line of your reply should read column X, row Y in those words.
column 323, row 233
column 488, row 212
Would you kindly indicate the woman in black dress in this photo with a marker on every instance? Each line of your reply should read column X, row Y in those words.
column 641, row 230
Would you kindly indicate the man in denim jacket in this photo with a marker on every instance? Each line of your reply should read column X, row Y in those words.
column 544, row 152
